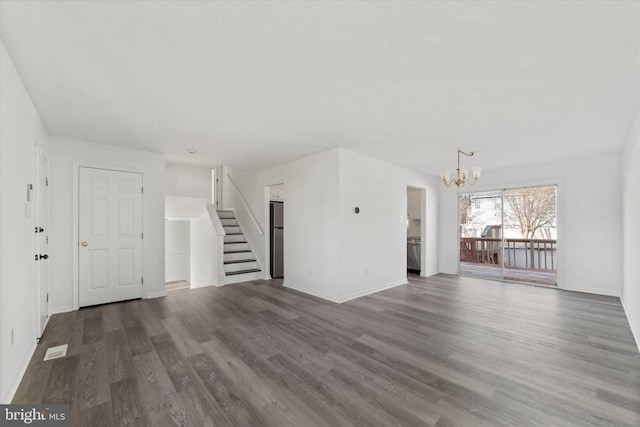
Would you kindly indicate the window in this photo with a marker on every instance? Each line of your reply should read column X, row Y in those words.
column 509, row 234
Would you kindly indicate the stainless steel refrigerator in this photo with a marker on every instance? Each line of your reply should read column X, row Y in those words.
column 277, row 246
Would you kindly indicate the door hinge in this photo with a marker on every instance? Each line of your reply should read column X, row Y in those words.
column 142, row 280
column 46, row 181
column 142, row 190
column 37, row 257
column 142, row 235
column 47, row 240
column 47, row 297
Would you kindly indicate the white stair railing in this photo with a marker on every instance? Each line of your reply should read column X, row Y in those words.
column 246, row 205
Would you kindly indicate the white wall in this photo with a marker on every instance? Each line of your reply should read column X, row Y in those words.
column 177, row 242
column 207, row 248
column 328, row 250
column 64, row 152
column 589, row 219
column 310, row 219
column 188, row 181
column 20, row 131
column 631, row 225
column 373, row 243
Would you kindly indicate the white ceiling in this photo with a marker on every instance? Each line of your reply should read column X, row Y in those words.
column 257, row 84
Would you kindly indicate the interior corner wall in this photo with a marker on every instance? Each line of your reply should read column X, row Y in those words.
column 311, row 222
column 631, row 225
column 188, row 181
column 329, row 251
column 589, row 219
column 373, row 243
column 20, row 131
column 64, row 153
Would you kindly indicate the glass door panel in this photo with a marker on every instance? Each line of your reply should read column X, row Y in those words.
column 530, row 232
column 480, row 234
column 509, row 234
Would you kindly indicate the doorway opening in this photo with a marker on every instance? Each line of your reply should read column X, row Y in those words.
column 276, row 231
column 177, row 254
column 415, row 229
column 509, row 234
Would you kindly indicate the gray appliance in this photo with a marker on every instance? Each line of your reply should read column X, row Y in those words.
column 414, row 247
column 277, row 242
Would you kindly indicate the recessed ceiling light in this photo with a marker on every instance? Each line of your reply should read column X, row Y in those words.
column 191, row 151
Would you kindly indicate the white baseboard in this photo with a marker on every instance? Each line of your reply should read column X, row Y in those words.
column 156, row 295
column 206, row 285
column 311, row 292
column 349, row 297
column 433, row 273
column 605, row 292
column 58, row 310
column 370, row 291
column 12, row 391
column 632, row 324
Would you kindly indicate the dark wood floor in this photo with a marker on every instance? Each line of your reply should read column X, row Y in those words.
column 440, row 351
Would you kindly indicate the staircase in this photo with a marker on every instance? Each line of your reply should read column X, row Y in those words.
column 240, row 264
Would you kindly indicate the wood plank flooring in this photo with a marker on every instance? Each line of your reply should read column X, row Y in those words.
column 440, row 351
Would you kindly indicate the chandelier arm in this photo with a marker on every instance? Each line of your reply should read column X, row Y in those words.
column 461, row 177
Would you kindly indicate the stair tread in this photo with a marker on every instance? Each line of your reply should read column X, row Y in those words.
column 237, row 261
column 233, row 273
column 236, row 252
column 231, row 243
column 234, row 234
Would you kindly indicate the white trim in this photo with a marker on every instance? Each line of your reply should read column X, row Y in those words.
column 46, row 322
column 58, row 310
column 74, row 243
column 12, row 391
column 630, row 319
column 604, row 292
column 370, row 291
column 155, row 295
column 206, row 285
column 310, row 292
column 423, row 274
column 348, row 297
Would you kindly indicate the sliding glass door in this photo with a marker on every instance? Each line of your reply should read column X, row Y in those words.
column 509, row 234
column 481, row 233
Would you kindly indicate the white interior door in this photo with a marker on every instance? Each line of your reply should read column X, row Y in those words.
column 110, row 236
column 42, row 241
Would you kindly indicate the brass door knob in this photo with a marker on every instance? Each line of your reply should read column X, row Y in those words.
column 84, row 243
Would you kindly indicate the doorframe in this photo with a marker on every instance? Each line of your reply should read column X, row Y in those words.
column 40, row 155
column 76, row 223
column 423, row 225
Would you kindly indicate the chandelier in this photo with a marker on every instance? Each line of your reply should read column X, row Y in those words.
column 461, row 173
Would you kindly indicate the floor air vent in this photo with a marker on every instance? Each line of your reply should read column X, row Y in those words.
column 55, row 352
